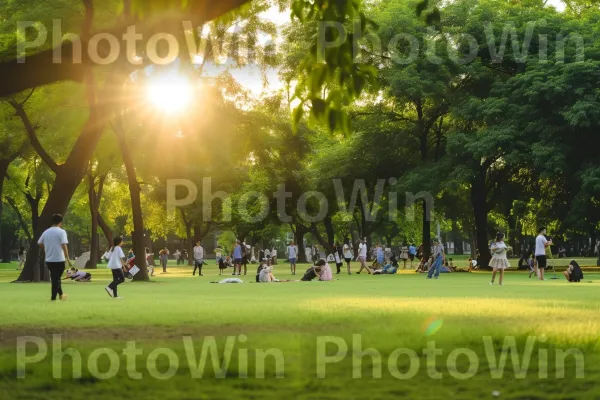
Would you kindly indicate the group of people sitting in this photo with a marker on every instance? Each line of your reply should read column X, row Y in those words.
column 321, row 270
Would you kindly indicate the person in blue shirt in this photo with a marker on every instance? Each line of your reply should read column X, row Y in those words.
column 412, row 253
column 379, row 254
column 237, row 257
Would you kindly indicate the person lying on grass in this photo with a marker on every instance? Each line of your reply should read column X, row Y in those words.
column 573, row 273
column 78, row 276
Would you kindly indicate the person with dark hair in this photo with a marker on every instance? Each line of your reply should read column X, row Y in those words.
column 362, row 256
column 541, row 244
column 412, row 253
column 78, row 276
column 237, row 257
column 54, row 244
column 348, row 254
column 292, row 254
column 499, row 260
column 116, row 263
column 315, row 271
column 198, row 258
column 338, row 256
column 573, row 273
column 163, row 255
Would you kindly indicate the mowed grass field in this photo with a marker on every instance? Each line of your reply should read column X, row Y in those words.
column 298, row 325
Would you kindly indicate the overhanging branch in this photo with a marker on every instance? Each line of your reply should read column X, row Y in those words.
column 33, row 139
column 40, row 69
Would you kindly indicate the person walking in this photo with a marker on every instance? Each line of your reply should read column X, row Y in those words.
column 198, row 258
column 499, row 260
column 348, row 255
column 338, row 257
column 541, row 244
column 438, row 259
column 116, row 263
column 164, row 259
column 362, row 256
column 54, row 244
column 292, row 253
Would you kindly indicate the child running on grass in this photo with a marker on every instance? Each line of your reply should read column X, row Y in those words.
column 116, row 262
column 499, row 260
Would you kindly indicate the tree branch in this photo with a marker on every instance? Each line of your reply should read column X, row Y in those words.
column 11, row 202
column 33, row 139
column 40, row 69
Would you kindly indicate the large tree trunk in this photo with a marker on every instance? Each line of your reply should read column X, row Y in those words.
column 299, row 233
column 139, row 246
column 426, row 230
column 457, row 238
column 479, row 203
column 189, row 244
column 330, row 233
column 5, row 257
column 94, row 242
column 70, row 174
column 108, row 234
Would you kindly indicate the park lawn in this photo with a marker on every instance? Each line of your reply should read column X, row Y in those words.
column 387, row 312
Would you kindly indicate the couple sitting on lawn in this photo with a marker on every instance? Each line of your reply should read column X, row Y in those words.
column 264, row 273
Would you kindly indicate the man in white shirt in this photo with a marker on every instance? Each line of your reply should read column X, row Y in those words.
column 541, row 244
column 362, row 256
column 198, row 258
column 54, row 244
column 292, row 252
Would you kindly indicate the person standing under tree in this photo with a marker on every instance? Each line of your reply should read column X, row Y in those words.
column 54, row 244
column 499, row 260
column 292, row 253
column 541, row 244
column 116, row 263
column 198, row 258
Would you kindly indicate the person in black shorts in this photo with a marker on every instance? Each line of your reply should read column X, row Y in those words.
column 541, row 244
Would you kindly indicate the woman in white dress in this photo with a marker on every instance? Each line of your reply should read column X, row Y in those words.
column 499, row 260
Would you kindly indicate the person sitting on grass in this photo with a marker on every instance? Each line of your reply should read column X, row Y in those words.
column 423, row 266
column 325, row 274
column 78, row 276
column 266, row 275
column 473, row 265
column 264, row 264
column 533, row 267
column 573, row 273
column 318, row 270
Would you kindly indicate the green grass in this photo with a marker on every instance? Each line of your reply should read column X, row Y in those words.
column 389, row 312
